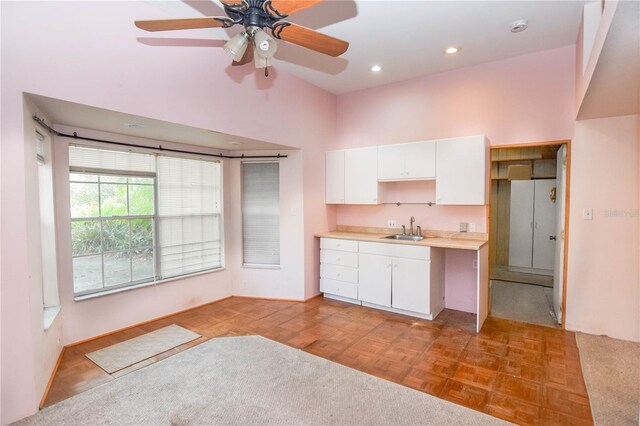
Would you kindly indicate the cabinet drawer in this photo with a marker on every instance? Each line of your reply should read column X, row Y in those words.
column 338, row 288
column 335, row 244
column 341, row 258
column 339, row 273
column 396, row 250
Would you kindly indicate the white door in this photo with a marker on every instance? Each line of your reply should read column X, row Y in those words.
column 391, row 164
column 461, row 171
column 420, row 160
column 361, row 176
column 410, row 285
column 374, row 279
column 521, row 223
column 558, row 270
column 544, row 225
column 334, row 177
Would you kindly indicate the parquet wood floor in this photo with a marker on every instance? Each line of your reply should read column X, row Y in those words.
column 526, row 374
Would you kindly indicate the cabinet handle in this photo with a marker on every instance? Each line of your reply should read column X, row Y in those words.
column 338, row 259
column 338, row 274
column 395, row 266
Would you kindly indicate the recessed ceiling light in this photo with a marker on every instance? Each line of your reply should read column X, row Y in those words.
column 452, row 50
column 519, row 25
column 376, row 68
column 235, row 143
column 133, row 125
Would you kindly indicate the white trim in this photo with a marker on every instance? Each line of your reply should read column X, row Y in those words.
column 50, row 314
column 142, row 285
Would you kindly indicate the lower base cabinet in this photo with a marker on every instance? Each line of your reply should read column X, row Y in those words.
column 401, row 278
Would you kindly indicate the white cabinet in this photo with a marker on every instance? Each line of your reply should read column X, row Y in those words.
column 532, row 226
column 407, row 161
column 334, row 177
column 339, row 268
column 462, row 170
column 361, row 176
column 375, row 275
column 402, row 278
column 410, row 289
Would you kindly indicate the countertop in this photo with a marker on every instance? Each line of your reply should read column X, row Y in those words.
column 442, row 239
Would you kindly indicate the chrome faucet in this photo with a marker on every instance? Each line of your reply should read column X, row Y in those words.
column 411, row 222
column 419, row 231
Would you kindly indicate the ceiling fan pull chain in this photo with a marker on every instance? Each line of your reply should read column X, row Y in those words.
column 266, row 68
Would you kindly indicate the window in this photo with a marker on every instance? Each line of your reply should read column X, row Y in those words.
column 139, row 218
column 261, row 214
column 50, row 296
column 111, row 230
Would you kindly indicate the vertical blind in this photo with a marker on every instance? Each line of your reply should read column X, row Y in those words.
column 261, row 213
column 188, row 204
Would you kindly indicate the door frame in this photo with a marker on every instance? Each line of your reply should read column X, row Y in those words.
column 567, row 197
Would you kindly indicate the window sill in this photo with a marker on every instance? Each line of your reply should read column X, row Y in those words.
column 150, row 283
column 50, row 314
column 250, row 266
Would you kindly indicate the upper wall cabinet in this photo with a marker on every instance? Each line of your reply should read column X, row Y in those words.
column 334, row 177
column 407, row 161
column 361, row 176
column 461, row 171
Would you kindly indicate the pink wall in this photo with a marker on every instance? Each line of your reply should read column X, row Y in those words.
column 603, row 290
column 524, row 99
column 46, row 51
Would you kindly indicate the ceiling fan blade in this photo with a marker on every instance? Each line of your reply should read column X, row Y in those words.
column 182, row 24
column 311, row 39
column 287, row 7
column 246, row 58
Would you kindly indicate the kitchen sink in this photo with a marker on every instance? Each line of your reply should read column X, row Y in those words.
column 403, row 237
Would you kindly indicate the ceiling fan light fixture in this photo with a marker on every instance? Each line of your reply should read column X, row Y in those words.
column 237, row 46
column 266, row 46
column 259, row 60
column 376, row 68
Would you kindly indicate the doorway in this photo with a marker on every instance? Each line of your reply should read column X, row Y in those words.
column 528, row 231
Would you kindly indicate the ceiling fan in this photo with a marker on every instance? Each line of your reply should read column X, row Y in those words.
column 256, row 16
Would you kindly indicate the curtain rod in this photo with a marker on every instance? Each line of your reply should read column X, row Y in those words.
column 159, row 147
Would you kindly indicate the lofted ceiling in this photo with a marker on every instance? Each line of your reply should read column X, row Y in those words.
column 406, row 38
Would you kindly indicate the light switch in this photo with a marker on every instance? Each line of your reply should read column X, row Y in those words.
column 587, row 213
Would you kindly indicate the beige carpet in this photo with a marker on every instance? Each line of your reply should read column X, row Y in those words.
column 611, row 370
column 522, row 302
column 252, row 380
column 121, row 355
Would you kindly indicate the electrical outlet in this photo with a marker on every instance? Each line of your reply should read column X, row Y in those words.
column 474, row 264
column 391, row 223
column 587, row 214
column 463, row 226
column 472, row 227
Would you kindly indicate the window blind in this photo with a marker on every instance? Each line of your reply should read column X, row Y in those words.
column 85, row 158
column 261, row 213
column 189, row 215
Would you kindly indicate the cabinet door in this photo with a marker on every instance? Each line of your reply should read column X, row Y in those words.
column 461, row 171
column 521, row 223
column 544, row 225
column 391, row 162
column 334, row 177
column 410, row 285
column 420, row 160
column 407, row 161
column 374, row 279
column 361, row 176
